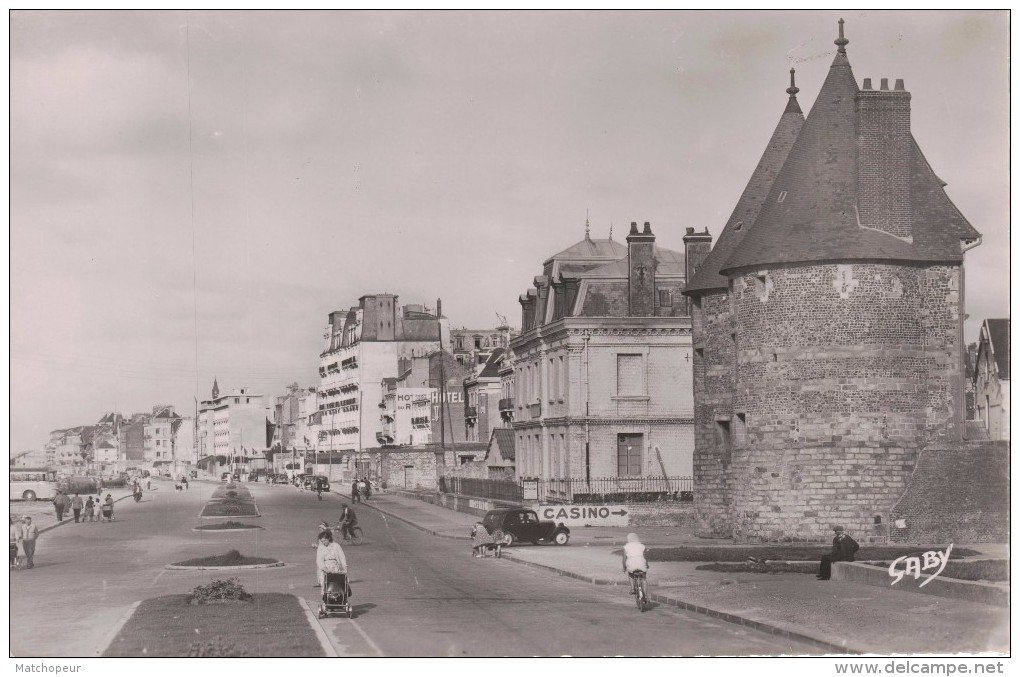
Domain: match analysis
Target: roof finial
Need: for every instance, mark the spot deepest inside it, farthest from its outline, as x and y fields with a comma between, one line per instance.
x=793, y=88
x=587, y=226
x=841, y=42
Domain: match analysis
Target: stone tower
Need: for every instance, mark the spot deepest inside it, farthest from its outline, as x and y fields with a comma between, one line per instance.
x=828, y=323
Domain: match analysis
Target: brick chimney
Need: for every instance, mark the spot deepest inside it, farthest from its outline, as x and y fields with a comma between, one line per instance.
x=884, y=152
x=641, y=256
x=696, y=248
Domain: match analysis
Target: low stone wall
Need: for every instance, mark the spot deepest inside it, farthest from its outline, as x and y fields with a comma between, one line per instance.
x=972, y=591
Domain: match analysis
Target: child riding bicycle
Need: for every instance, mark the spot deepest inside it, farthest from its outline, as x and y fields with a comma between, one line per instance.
x=634, y=560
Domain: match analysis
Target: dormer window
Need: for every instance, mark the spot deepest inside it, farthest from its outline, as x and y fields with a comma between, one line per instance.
x=738, y=225
x=782, y=196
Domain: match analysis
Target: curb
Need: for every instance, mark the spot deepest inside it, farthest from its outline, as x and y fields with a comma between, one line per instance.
x=175, y=567
x=317, y=628
x=220, y=531
x=108, y=640
x=431, y=532
x=663, y=599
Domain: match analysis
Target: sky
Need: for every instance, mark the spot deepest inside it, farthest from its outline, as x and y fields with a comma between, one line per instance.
x=193, y=192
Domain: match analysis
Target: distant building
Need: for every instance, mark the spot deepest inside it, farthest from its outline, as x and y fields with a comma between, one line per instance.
x=602, y=380
x=234, y=426
x=991, y=378
x=483, y=391
x=473, y=347
x=363, y=346
x=34, y=458
x=158, y=433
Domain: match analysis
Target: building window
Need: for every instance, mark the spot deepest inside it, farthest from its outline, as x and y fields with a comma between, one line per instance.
x=628, y=454
x=665, y=297
x=628, y=375
x=478, y=343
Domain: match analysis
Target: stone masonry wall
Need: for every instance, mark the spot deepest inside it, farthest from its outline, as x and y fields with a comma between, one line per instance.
x=713, y=395
x=958, y=493
x=844, y=372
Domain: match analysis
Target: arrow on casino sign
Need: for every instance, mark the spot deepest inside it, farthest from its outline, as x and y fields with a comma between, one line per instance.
x=621, y=513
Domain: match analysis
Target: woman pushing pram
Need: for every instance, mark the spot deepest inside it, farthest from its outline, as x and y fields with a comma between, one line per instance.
x=331, y=565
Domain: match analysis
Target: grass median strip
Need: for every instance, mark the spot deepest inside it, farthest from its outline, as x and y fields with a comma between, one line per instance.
x=791, y=553
x=269, y=624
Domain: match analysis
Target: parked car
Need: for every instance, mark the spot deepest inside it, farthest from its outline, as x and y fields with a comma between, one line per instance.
x=280, y=478
x=225, y=477
x=511, y=525
x=306, y=480
x=321, y=482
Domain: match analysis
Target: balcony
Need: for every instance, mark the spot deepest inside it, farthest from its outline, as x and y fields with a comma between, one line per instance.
x=506, y=404
x=535, y=409
x=470, y=412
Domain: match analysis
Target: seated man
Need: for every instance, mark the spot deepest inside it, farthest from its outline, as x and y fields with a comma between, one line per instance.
x=843, y=550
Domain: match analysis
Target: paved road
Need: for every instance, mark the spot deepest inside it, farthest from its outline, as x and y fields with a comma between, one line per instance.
x=415, y=594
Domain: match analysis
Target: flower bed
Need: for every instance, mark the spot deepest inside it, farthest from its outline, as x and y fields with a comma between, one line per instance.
x=270, y=624
x=226, y=526
x=230, y=509
x=232, y=558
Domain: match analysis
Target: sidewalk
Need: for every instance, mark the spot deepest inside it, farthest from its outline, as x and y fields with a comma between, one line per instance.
x=838, y=616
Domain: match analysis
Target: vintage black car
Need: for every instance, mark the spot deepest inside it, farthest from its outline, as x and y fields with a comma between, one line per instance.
x=321, y=482
x=512, y=525
x=280, y=478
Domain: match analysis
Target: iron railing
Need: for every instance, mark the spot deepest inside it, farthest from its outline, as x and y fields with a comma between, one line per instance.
x=649, y=489
x=497, y=490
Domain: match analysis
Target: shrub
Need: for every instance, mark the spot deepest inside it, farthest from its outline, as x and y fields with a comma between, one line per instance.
x=215, y=649
x=78, y=485
x=232, y=494
x=220, y=590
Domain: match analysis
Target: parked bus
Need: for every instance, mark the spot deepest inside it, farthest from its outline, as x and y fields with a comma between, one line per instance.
x=31, y=484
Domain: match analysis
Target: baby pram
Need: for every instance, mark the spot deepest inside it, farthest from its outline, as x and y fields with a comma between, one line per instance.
x=336, y=594
x=106, y=512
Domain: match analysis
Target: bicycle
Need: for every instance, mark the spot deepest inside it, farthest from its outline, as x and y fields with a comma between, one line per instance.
x=641, y=595
x=353, y=536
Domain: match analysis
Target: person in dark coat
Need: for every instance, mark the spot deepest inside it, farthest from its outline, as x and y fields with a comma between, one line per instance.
x=843, y=550
x=355, y=492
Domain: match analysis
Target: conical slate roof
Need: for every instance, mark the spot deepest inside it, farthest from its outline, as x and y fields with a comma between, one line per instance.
x=810, y=213
x=751, y=200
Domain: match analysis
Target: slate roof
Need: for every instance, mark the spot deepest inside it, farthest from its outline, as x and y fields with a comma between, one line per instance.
x=667, y=262
x=817, y=219
x=492, y=364
x=998, y=337
x=751, y=200
x=592, y=249
x=504, y=442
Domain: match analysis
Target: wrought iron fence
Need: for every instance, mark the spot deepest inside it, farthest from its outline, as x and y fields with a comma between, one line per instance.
x=497, y=490
x=577, y=490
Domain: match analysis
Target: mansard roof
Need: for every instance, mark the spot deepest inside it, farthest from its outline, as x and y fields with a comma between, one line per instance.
x=810, y=213
x=491, y=368
x=667, y=262
x=591, y=249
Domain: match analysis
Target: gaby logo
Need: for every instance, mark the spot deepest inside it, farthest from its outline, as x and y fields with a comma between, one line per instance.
x=915, y=565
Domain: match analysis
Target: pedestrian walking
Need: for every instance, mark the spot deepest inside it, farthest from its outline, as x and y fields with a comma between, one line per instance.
x=843, y=550
x=185, y=481
x=108, y=508
x=368, y=489
x=15, y=535
x=76, y=505
x=60, y=504
x=361, y=488
x=28, y=536
x=90, y=510
x=355, y=492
